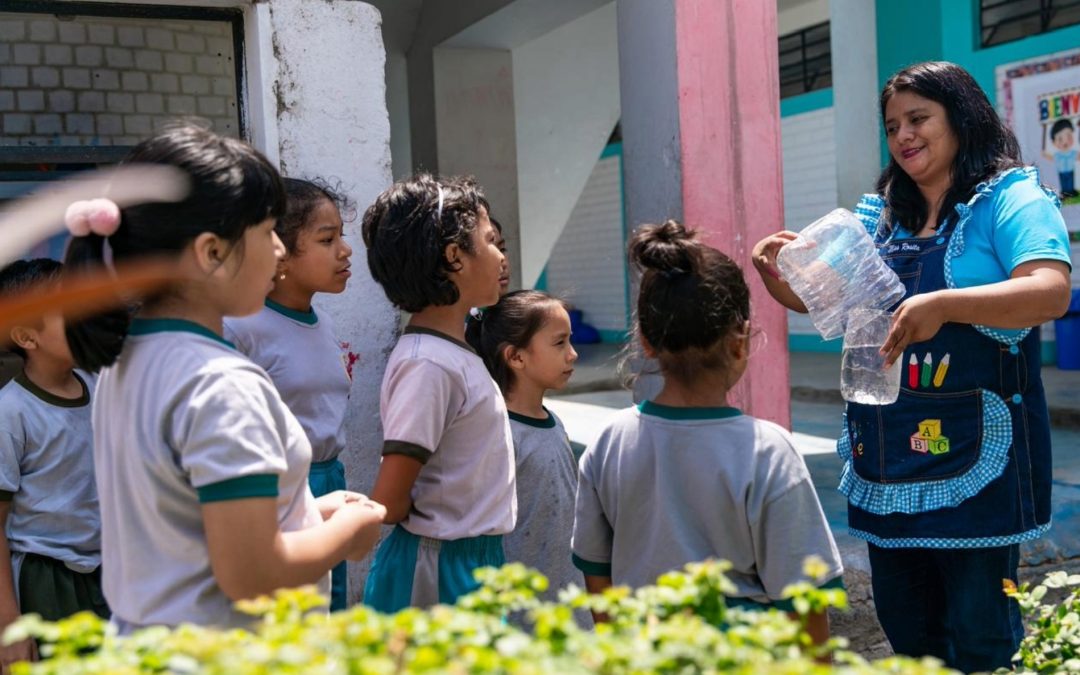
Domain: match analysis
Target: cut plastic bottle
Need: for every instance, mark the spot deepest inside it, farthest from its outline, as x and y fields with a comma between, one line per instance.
x=834, y=268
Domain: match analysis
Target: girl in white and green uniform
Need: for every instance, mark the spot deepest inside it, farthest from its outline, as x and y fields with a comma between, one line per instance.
x=296, y=345
x=201, y=468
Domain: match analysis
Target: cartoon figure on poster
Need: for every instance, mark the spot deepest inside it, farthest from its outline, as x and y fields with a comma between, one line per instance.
x=1040, y=99
x=1059, y=140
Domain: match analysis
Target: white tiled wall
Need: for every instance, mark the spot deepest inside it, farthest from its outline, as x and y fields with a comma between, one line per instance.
x=111, y=81
x=809, y=146
x=588, y=264
x=809, y=143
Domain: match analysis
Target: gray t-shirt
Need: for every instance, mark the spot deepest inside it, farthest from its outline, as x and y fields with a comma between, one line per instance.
x=546, y=482
x=183, y=419
x=301, y=354
x=439, y=405
x=47, y=470
x=664, y=486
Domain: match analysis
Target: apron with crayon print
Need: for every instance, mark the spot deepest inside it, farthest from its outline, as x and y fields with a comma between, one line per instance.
x=962, y=459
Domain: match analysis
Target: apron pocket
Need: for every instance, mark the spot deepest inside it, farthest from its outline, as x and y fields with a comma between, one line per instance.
x=934, y=451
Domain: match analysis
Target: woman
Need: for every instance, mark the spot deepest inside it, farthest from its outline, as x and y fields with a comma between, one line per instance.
x=945, y=483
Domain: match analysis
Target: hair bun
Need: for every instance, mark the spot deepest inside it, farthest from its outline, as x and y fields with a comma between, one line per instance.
x=665, y=248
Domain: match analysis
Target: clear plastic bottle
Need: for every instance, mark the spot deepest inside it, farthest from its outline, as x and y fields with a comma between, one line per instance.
x=863, y=377
x=834, y=268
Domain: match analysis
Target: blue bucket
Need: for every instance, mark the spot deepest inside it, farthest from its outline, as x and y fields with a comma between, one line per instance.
x=1067, y=335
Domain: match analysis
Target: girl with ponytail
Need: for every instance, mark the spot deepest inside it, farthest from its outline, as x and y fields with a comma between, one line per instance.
x=685, y=476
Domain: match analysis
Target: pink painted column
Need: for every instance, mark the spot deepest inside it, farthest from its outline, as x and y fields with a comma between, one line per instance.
x=729, y=116
x=704, y=147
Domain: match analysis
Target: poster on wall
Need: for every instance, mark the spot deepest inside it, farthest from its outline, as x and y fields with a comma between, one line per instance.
x=1040, y=100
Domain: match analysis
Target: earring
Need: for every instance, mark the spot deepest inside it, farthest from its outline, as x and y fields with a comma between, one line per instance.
x=281, y=276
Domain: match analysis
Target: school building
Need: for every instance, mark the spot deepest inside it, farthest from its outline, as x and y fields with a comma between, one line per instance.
x=531, y=96
x=581, y=118
x=527, y=96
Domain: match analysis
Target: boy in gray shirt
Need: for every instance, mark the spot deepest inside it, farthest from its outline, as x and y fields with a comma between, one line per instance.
x=50, y=560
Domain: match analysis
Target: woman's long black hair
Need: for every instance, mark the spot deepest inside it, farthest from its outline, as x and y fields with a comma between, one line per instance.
x=985, y=145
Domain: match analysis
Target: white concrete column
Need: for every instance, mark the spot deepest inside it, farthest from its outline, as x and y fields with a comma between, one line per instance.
x=853, y=33
x=319, y=87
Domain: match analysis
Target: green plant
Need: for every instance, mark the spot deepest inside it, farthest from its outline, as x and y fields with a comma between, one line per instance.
x=680, y=625
x=1053, y=641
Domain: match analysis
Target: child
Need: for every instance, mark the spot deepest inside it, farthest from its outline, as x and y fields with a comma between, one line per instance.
x=50, y=560
x=447, y=473
x=297, y=347
x=1064, y=157
x=684, y=477
x=201, y=468
x=525, y=343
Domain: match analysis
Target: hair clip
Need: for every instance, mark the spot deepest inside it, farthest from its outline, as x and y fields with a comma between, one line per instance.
x=438, y=211
x=99, y=216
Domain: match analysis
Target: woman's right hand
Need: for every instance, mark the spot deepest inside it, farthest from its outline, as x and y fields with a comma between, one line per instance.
x=764, y=257
x=766, y=250
x=365, y=518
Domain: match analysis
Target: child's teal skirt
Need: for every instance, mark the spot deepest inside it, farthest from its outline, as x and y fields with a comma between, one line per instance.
x=324, y=478
x=414, y=571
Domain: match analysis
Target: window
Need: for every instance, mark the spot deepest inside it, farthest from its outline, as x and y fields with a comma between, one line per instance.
x=1003, y=21
x=805, y=60
x=82, y=82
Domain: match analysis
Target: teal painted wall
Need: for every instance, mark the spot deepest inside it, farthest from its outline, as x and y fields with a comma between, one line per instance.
x=923, y=30
x=813, y=343
x=982, y=62
x=613, y=336
x=908, y=32
x=813, y=100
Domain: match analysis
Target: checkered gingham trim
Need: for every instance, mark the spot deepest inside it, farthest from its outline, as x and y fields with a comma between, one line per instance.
x=930, y=542
x=930, y=495
x=871, y=207
x=956, y=244
x=868, y=211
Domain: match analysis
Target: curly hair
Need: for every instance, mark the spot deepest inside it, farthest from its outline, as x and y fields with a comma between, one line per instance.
x=302, y=197
x=406, y=234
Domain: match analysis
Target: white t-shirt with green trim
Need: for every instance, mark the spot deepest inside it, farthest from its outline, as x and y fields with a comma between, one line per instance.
x=303, y=357
x=662, y=487
x=182, y=419
x=440, y=406
x=47, y=469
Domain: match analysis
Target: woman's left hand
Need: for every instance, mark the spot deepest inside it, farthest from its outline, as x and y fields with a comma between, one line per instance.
x=918, y=319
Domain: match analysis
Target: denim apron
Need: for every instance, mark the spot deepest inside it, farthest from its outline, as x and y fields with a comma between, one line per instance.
x=962, y=459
